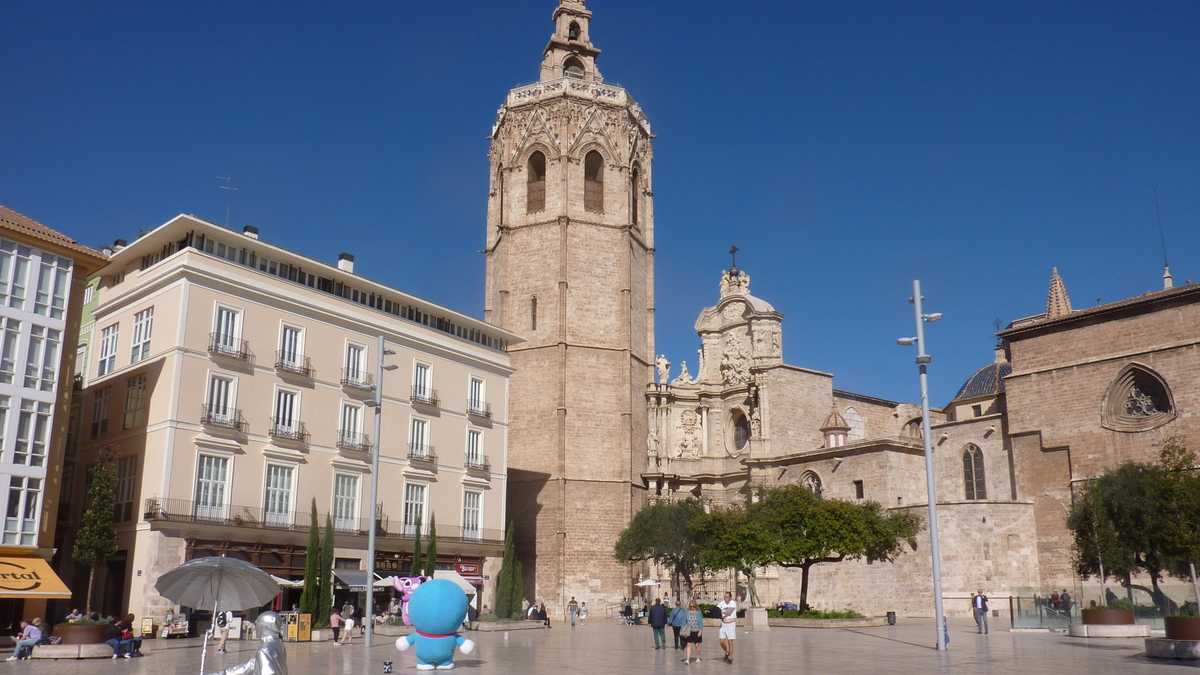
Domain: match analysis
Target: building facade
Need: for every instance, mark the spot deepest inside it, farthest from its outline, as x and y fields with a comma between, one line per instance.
x=233, y=383
x=570, y=268
x=42, y=275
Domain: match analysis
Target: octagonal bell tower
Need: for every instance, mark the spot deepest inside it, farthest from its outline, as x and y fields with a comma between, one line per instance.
x=570, y=267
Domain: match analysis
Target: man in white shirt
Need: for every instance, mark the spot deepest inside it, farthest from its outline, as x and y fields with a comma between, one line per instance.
x=728, y=625
x=979, y=603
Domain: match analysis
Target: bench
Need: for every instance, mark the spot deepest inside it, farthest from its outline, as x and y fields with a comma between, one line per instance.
x=92, y=651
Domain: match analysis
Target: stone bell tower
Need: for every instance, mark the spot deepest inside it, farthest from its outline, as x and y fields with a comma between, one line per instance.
x=570, y=267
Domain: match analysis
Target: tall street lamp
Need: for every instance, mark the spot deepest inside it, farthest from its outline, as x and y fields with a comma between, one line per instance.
x=923, y=361
x=376, y=449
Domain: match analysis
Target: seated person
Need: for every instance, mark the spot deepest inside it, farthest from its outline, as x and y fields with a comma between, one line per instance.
x=134, y=640
x=75, y=616
x=31, y=635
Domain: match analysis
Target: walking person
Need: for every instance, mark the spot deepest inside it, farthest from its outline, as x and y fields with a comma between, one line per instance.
x=657, y=619
x=347, y=623
x=979, y=606
x=335, y=625
x=677, y=620
x=573, y=610
x=728, y=625
x=694, y=630
x=583, y=613
x=223, y=620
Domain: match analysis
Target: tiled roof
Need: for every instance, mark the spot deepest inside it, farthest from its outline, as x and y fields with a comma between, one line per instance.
x=834, y=421
x=23, y=224
x=1041, y=323
x=987, y=381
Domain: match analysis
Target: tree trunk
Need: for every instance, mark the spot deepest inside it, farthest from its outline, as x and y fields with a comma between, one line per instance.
x=804, y=586
x=87, y=602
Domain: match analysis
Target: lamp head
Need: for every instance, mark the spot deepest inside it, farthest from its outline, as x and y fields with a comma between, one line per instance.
x=906, y=341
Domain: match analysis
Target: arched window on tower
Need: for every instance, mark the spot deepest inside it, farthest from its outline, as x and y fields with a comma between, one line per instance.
x=535, y=187
x=573, y=32
x=593, y=182
x=533, y=313
x=973, y=476
x=573, y=68
x=635, y=194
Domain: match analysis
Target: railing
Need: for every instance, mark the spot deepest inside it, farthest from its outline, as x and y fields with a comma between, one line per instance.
x=421, y=453
x=256, y=517
x=224, y=417
x=291, y=362
x=479, y=409
x=359, y=379
x=423, y=394
x=288, y=430
x=477, y=463
x=224, y=344
x=352, y=441
x=598, y=91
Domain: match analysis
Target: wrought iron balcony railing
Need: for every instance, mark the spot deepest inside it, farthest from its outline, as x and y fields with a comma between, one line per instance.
x=227, y=345
x=353, y=441
x=421, y=453
x=479, y=462
x=288, y=430
x=291, y=362
x=480, y=409
x=423, y=394
x=357, y=379
x=222, y=416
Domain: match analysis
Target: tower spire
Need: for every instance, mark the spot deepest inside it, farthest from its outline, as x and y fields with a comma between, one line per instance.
x=1058, y=303
x=570, y=52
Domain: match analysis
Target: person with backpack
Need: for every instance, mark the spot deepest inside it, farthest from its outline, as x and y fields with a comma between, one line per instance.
x=223, y=620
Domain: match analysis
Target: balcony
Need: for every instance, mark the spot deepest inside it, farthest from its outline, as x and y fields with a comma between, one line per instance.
x=419, y=452
x=222, y=417
x=479, y=409
x=424, y=395
x=357, y=379
x=293, y=363
x=288, y=430
x=185, y=511
x=353, y=442
x=478, y=465
x=229, y=346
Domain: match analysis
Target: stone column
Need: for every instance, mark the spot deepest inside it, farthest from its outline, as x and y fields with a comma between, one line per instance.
x=704, y=429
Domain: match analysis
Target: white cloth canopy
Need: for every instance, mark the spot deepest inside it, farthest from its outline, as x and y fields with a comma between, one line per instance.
x=288, y=583
x=456, y=578
x=647, y=582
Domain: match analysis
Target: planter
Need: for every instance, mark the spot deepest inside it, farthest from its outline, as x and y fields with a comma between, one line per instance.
x=1183, y=627
x=1108, y=617
x=80, y=633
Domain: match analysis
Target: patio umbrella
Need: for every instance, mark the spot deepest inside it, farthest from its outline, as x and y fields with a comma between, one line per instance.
x=225, y=583
x=646, y=582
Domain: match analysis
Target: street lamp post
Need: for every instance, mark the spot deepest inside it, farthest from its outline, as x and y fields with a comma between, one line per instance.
x=376, y=449
x=923, y=361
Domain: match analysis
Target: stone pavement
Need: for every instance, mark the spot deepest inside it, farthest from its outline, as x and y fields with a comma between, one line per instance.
x=608, y=648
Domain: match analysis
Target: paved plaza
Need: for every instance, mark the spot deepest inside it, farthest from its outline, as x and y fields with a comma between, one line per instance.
x=610, y=648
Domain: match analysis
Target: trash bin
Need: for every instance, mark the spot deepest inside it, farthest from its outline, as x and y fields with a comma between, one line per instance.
x=891, y=617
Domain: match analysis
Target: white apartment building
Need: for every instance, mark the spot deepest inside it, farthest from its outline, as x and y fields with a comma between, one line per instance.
x=41, y=273
x=233, y=383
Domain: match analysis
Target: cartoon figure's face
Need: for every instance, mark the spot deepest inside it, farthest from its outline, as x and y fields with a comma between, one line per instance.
x=407, y=585
x=438, y=607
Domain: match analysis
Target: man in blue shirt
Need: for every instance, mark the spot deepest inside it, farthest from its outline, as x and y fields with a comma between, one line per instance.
x=677, y=620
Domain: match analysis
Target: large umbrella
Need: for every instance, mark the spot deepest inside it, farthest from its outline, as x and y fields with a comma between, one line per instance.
x=225, y=583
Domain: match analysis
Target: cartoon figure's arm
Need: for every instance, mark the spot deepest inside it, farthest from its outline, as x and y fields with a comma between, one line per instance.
x=464, y=645
x=402, y=643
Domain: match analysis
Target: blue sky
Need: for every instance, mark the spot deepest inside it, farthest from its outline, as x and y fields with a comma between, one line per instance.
x=845, y=147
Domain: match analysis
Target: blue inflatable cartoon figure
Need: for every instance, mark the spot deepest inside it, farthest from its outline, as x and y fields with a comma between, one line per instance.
x=437, y=609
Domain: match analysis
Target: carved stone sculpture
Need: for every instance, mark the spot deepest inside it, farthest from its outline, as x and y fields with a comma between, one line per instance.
x=735, y=362
x=664, y=368
x=689, y=436
x=684, y=376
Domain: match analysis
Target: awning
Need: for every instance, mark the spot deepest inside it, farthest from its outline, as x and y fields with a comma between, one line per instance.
x=456, y=579
x=28, y=577
x=287, y=583
x=356, y=580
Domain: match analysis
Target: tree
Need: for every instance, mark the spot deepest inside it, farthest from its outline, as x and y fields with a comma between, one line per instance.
x=799, y=529
x=417, y=567
x=509, y=584
x=312, y=564
x=731, y=539
x=96, y=540
x=325, y=576
x=666, y=533
x=431, y=552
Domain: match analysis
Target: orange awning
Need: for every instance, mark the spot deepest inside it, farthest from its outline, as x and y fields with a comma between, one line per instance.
x=28, y=577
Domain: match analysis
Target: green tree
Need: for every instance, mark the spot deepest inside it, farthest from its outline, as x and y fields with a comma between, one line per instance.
x=731, y=539
x=96, y=540
x=325, y=576
x=431, y=552
x=417, y=567
x=509, y=584
x=666, y=533
x=312, y=563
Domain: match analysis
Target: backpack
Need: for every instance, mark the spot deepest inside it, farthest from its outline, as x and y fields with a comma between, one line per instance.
x=222, y=621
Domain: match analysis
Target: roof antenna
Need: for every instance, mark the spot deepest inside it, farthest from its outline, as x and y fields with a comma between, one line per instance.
x=226, y=184
x=1168, y=280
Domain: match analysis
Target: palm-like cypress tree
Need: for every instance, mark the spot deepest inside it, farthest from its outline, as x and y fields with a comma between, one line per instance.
x=325, y=576
x=431, y=552
x=312, y=563
x=416, y=561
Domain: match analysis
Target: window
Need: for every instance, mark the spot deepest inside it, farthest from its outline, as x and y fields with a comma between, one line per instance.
x=977, y=410
x=212, y=475
x=89, y=294
x=533, y=313
x=291, y=347
x=741, y=431
x=8, y=351
x=1137, y=400
x=33, y=427
x=100, y=412
x=81, y=360
x=41, y=362
x=135, y=402
x=345, y=501
x=219, y=406
x=973, y=476
x=475, y=395
x=143, y=326
x=573, y=68
x=356, y=363
x=126, y=475
x=635, y=194
x=287, y=410
x=414, y=507
x=278, y=497
x=474, y=447
x=593, y=182
x=858, y=489
x=4, y=406
x=108, y=350
x=350, y=426
x=21, y=515
x=51, y=296
x=811, y=482
x=858, y=426
x=14, y=271
x=418, y=437
x=227, y=332
x=422, y=381
x=535, y=183
x=472, y=510
x=573, y=32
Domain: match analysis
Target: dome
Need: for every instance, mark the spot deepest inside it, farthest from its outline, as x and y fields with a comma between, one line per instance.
x=761, y=306
x=987, y=381
x=835, y=422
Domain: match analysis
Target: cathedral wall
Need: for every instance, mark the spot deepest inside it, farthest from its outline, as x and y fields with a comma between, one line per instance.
x=597, y=262
x=796, y=402
x=531, y=268
x=879, y=420
x=597, y=429
x=950, y=443
x=598, y=512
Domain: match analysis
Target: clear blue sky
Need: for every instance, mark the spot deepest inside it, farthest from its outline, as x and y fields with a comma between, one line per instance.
x=845, y=147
